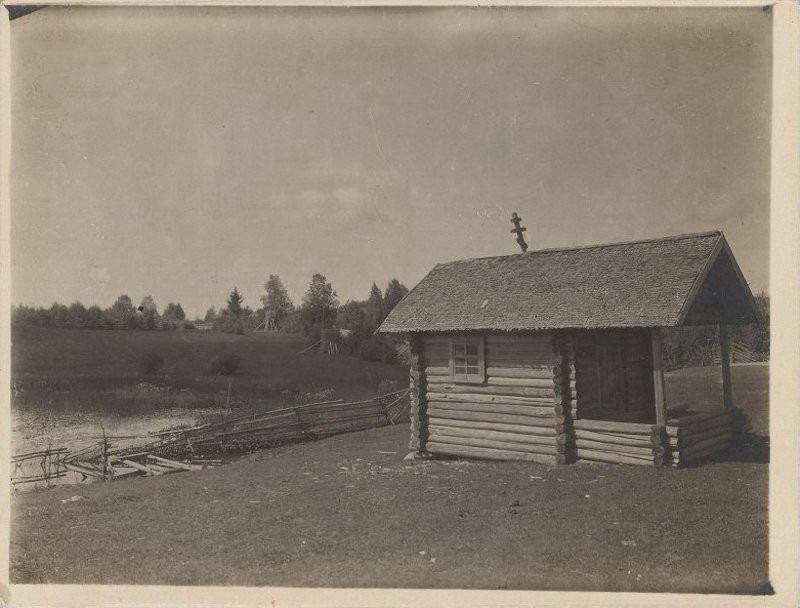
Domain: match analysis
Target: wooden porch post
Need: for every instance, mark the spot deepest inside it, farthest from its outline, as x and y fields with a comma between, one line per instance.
x=418, y=396
x=658, y=378
x=725, y=356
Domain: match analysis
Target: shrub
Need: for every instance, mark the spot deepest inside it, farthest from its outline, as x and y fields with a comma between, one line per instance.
x=189, y=325
x=377, y=348
x=224, y=365
x=150, y=363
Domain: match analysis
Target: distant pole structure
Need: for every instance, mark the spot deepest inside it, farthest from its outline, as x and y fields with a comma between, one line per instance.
x=518, y=230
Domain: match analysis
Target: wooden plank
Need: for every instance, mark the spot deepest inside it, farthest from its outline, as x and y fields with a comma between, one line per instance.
x=725, y=359
x=477, y=442
x=686, y=422
x=702, y=427
x=622, y=428
x=659, y=388
x=488, y=453
x=608, y=457
x=709, y=451
x=162, y=468
x=616, y=448
x=683, y=442
x=723, y=438
x=544, y=340
x=477, y=389
x=481, y=398
x=455, y=431
x=524, y=410
x=84, y=470
x=546, y=383
x=174, y=463
x=494, y=426
x=141, y=467
x=632, y=440
x=440, y=370
x=489, y=417
x=544, y=372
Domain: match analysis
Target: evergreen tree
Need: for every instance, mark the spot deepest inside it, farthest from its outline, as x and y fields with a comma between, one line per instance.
x=235, y=302
x=374, y=307
x=395, y=291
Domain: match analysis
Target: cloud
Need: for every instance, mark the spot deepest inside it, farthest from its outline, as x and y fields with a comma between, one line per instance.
x=343, y=193
x=99, y=274
x=339, y=207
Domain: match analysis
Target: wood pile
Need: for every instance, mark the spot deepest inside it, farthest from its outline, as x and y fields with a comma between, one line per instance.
x=616, y=442
x=693, y=437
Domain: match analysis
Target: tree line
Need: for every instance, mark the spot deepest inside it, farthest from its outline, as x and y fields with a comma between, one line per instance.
x=320, y=309
x=353, y=323
x=122, y=314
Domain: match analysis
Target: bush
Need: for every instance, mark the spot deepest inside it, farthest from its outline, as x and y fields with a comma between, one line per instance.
x=150, y=363
x=189, y=325
x=224, y=365
x=377, y=348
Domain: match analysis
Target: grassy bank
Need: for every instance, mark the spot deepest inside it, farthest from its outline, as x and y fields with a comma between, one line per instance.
x=86, y=370
x=348, y=511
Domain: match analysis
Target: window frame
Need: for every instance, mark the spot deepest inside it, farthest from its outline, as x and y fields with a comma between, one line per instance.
x=466, y=341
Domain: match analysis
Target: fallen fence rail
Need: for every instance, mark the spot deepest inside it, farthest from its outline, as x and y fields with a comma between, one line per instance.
x=177, y=450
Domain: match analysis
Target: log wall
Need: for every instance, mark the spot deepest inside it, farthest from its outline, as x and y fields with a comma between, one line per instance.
x=694, y=437
x=617, y=442
x=508, y=417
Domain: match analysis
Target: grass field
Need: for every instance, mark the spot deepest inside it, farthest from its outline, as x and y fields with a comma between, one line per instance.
x=348, y=511
x=98, y=371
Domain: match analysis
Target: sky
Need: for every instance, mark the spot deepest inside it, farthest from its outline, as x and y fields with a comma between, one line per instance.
x=180, y=152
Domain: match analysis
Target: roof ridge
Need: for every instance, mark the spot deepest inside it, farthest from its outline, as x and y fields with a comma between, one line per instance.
x=676, y=237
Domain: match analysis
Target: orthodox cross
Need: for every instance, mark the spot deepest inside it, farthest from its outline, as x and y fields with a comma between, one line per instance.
x=518, y=230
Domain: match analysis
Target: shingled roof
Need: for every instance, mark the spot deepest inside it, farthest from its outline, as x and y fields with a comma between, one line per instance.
x=679, y=280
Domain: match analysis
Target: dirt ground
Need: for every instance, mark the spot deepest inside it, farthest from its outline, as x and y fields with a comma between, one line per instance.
x=349, y=512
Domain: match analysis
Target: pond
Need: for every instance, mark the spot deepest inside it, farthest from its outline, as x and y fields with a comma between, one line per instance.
x=33, y=430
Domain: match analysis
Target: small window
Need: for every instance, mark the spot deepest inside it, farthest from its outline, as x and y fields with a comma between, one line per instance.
x=466, y=360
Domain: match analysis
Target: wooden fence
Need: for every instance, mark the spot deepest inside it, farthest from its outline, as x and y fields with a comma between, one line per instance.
x=107, y=459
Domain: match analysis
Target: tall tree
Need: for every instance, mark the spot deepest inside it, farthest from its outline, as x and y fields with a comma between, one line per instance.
x=211, y=315
x=77, y=315
x=395, y=291
x=122, y=312
x=374, y=307
x=148, y=303
x=319, y=306
x=234, y=302
x=174, y=311
x=277, y=303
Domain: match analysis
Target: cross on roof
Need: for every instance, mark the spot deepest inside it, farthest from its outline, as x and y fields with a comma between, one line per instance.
x=518, y=230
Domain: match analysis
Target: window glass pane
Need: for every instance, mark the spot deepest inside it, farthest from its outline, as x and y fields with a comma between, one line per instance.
x=461, y=370
x=472, y=371
x=460, y=349
x=472, y=349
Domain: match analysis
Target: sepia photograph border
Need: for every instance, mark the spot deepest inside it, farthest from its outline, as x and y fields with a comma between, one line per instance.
x=784, y=389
